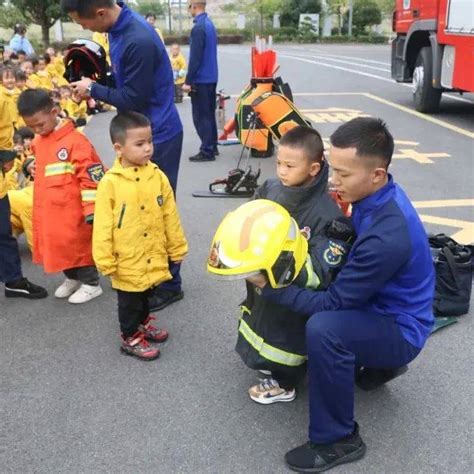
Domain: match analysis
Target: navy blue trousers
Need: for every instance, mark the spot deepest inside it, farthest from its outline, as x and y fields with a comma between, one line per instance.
x=175, y=283
x=203, y=102
x=10, y=264
x=167, y=156
x=337, y=342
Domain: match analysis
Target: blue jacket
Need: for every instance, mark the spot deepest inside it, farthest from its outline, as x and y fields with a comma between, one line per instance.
x=143, y=76
x=20, y=43
x=388, y=271
x=202, y=67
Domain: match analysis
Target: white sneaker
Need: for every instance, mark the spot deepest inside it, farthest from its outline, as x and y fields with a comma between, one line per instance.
x=67, y=288
x=268, y=391
x=85, y=293
x=265, y=372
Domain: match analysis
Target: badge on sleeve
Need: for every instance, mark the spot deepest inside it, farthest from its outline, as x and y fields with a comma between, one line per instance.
x=160, y=200
x=96, y=172
x=334, y=253
x=62, y=154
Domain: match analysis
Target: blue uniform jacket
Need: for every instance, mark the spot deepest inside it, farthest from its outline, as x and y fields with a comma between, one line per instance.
x=202, y=67
x=388, y=271
x=143, y=76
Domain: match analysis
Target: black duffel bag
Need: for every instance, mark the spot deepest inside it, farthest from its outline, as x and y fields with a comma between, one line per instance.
x=453, y=265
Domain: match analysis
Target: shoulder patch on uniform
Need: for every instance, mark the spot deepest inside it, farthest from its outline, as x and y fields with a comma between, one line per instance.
x=62, y=154
x=159, y=200
x=333, y=254
x=96, y=172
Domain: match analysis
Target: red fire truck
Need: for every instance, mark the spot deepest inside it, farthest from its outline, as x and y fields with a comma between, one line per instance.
x=434, y=48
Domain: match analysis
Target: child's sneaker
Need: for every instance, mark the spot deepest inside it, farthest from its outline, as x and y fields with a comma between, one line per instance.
x=67, y=288
x=85, y=293
x=268, y=391
x=152, y=333
x=136, y=346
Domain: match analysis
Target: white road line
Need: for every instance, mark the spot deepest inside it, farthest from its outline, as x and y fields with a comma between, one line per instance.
x=342, y=61
x=362, y=73
x=356, y=58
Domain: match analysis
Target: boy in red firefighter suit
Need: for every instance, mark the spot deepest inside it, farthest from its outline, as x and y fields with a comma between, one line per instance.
x=68, y=170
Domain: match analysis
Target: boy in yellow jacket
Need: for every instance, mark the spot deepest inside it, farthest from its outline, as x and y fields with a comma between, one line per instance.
x=179, y=66
x=137, y=231
x=76, y=111
x=10, y=94
x=40, y=77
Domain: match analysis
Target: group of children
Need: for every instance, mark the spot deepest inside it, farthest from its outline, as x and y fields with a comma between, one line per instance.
x=78, y=228
x=128, y=227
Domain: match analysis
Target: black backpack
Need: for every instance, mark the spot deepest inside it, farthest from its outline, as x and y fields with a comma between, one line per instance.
x=453, y=265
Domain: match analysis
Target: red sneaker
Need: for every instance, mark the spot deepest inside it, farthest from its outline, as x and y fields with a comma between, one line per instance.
x=152, y=333
x=137, y=346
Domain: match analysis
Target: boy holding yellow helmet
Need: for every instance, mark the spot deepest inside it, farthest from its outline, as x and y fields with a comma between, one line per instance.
x=271, y=338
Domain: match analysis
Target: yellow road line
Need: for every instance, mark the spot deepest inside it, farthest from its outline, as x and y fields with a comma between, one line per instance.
x=444, y=203
x=428, y=118
x=464, y=236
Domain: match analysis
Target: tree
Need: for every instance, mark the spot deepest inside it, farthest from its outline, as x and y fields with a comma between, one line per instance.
x=386, y=6
x=144, y=7
x=42, y=12
x=338, y=8
x=291, y=10
x=10, y=16
x=365, y=13
x=260, y=11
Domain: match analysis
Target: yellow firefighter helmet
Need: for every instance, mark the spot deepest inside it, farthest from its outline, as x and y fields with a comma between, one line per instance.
x=258, y=236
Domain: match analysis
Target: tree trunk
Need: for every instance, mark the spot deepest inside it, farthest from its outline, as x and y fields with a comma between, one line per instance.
x=45, y=35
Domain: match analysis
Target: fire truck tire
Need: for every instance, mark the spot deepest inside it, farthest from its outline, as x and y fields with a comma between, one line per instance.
x=425, y=96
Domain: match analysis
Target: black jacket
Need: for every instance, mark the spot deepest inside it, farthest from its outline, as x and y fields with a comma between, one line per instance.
x=268, y=331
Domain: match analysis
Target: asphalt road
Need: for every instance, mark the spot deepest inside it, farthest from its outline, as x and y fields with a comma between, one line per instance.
x=69, y=402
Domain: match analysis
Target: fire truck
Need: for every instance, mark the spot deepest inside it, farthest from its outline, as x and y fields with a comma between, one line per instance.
x=433, y=48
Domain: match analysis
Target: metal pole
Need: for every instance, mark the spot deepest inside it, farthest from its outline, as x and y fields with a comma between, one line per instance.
x=349, y=27
x=180, y=19
x=170, y=28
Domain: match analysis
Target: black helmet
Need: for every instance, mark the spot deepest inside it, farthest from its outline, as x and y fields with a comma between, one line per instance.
x=85, y=58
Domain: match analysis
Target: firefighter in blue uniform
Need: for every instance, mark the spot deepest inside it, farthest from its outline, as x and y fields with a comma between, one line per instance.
x=377, y=315
x=201, y=80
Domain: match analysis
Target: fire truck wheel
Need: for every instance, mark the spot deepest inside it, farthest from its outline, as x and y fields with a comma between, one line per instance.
x=425, y=96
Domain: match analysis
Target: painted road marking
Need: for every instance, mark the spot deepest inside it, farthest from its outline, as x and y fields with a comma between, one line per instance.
x=422, y=158
x=361, y=73
x=333, y=115
x=342, y=61
x=465, y=234
x=428, y=118
x=354, y=58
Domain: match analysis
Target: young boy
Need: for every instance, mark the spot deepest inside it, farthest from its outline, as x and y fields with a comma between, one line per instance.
x=40, y=77
x=20, y=79
x=301, y=188
x=178, y=64
x=76, y=111
x=68, y=170
x=137, y=231
x=10, y=93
